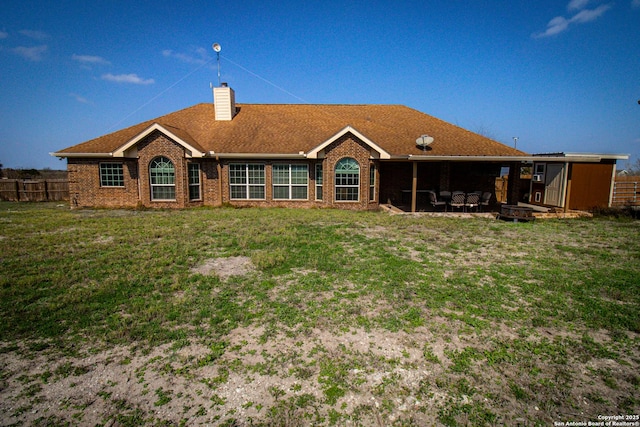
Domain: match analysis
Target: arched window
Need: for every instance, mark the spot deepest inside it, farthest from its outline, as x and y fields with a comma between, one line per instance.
x=347, y=175
x=163, y=179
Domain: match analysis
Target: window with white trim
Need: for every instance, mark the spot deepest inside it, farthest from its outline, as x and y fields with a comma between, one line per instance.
x=318, y=181
x=290, y=182
x=162, y=175
x=194, y=181
x=372, y=182
x=347, y=180
x=111, y=175
x=246, y=181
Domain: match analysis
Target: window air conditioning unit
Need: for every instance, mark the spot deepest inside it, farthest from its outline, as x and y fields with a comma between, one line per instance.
x=537, y=177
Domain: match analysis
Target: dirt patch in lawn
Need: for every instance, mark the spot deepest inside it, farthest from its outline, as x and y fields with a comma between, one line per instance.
x=225, y=267
x=255, y=379
x=319, y=377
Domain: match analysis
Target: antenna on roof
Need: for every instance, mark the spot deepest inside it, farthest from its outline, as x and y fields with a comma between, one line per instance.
x=515, y=141
x=217, y=48
x=424, y=141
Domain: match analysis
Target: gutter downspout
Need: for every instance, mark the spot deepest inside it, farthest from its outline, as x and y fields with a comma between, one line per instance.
x=219, y=166
x=138, y=181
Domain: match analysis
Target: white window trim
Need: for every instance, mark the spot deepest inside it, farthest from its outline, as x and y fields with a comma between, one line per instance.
x=289, y=186
x=247, y=185
x=376, y=150
x=357, y=186
x=102, y=185
x=152, y=185
x=320, y=186
x=199, y=184
x=372, y=183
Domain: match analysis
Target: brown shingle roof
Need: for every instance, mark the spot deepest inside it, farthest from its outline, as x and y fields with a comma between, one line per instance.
x=291, y=128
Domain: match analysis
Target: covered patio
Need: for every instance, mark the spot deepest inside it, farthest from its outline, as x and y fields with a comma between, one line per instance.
x=411, y=185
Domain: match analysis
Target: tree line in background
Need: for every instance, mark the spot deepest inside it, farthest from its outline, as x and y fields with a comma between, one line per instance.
x=631, y=169
x=46, y=173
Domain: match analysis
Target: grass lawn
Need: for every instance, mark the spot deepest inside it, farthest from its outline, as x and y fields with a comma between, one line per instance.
x=293, y=317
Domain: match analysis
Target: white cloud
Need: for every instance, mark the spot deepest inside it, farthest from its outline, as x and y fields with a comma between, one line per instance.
x=81, y=99
x=90, y=59
x=34, y=53
x=560, y=24
x=577, y=4
x=33, y=34
x=555, y=26
x=3, y=35
x=127, y=78
x=588, y=15
x=200, y=56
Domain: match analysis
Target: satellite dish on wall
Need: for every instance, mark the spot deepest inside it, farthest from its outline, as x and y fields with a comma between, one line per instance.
x=424, y=141
x=216, y=47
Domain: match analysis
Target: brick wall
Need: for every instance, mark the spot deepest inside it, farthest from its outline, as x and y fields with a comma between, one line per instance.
x=348, y=146
x=85, y=189
x=210, y=182
x=151, y=147
x=268, y=201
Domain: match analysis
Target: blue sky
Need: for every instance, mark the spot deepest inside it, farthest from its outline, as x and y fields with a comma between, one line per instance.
x=559, y=75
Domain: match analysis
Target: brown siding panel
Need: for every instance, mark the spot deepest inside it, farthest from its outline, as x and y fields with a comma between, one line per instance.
x=590, y=185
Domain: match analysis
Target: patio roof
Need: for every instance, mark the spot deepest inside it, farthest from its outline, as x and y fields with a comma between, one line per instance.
x=559, y=157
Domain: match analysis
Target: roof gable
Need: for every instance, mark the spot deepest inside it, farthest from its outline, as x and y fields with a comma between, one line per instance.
x=382, y=154
x=182, y=138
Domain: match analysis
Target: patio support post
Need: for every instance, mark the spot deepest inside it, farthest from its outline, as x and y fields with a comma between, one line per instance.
x=445, y=176
x=513, y=183
x=414, y=186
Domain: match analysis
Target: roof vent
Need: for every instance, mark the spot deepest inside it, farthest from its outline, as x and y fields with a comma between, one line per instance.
x=224, y=99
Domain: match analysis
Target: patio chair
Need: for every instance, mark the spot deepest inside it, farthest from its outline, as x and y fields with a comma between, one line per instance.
x=472, y=201
x=445, y=195
x=486, y=198
x=457, y=200
x=433, y=200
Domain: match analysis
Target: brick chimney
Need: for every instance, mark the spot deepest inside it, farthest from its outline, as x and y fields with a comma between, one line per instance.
x=224, y=99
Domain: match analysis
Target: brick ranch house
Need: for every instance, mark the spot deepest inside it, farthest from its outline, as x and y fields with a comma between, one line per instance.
x=346, y=156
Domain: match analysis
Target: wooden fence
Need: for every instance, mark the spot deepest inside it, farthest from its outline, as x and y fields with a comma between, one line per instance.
x=626, y=191
x=501, y=186
x=41, y=190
